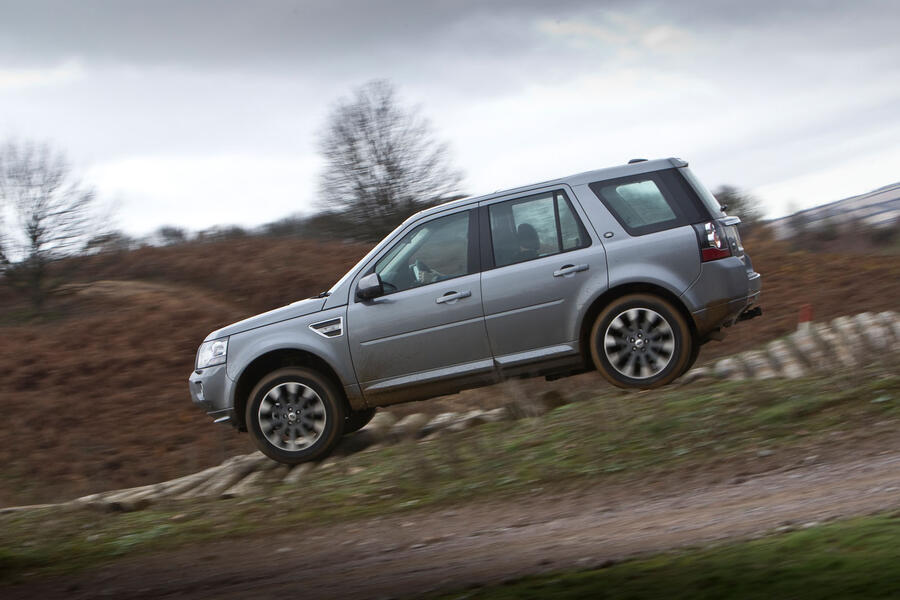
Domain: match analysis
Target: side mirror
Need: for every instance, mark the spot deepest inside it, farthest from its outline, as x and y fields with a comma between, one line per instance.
x=369, y=287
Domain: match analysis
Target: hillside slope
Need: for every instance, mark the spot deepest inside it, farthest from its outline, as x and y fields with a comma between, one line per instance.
x=96, y=397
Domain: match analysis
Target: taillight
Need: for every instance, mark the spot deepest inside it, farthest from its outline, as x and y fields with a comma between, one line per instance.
x=713, y=245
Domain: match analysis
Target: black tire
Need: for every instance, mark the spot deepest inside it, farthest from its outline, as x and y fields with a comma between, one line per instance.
x=292, y=411
x=357, y=419
x=692, y=359
x=625, y=357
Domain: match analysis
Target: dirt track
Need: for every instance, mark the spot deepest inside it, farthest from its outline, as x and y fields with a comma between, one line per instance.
x=413, y=553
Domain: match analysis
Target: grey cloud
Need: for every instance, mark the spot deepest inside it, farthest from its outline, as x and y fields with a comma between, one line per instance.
x=485, y=46
x=278, y=32
x=204, y=33
x=204, y=77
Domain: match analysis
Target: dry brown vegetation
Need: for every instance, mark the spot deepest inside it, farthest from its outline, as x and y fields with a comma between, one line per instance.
x=95, y=395
x=253, y=273
x=832, y=283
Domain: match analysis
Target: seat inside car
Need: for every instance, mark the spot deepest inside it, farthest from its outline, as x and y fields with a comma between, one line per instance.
x=529, y=242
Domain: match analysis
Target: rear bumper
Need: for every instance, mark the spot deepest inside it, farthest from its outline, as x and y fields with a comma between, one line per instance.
x=746, y=308
x=725, y=290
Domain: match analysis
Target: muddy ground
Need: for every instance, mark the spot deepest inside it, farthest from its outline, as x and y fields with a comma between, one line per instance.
x=488, y=542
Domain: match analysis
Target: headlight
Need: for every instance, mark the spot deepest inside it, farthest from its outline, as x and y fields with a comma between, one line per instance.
x=212, y=353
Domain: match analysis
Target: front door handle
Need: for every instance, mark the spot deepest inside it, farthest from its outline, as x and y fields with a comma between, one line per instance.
x=453, y=297
x=567, y=270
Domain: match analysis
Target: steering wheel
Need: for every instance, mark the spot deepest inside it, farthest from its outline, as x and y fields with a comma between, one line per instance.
x=421, y=266
x=385, y=284
x=418, y=270
x=424, y=274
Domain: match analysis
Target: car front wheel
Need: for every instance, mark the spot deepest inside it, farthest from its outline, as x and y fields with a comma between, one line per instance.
x=640, y=341
x=295, y=415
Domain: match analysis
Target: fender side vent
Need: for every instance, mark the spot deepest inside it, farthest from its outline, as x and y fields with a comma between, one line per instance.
x=331, y=328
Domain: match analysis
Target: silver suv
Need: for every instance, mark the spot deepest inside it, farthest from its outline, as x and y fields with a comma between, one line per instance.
x=626, y=270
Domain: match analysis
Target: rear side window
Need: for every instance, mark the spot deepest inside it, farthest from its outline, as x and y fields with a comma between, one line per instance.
x=640, y=204
x=533, y=227
x=571, y=231
x=649, y=202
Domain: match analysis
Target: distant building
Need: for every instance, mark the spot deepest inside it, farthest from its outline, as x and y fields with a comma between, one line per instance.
x=878, y=208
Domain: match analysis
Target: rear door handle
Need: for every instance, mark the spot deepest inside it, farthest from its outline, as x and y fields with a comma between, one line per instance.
x=453, y=297
x=567, y=270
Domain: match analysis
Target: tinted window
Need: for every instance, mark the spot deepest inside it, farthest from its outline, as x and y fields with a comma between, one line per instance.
x=639, y=204
x=572, y=233
x=650, y=202
x=434, y=251
x=532, y=227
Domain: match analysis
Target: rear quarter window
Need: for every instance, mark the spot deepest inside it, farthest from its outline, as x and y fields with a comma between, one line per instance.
x=650, y=202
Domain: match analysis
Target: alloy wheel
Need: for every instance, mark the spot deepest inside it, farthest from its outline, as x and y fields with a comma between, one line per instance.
x=639, y=343
x=292, y=416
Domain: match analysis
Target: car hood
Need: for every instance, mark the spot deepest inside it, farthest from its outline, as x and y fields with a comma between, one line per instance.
x=291, y=311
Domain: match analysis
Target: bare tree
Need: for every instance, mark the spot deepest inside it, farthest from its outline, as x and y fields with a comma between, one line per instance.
x=171, y=235
x=740, y=204
x=4, y=259
x=110, y=242
x=51, y=214
x=382, y=162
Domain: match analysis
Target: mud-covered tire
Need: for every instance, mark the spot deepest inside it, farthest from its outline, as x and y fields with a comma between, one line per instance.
x=357, y=419
x=295, y=415
x=640, y=341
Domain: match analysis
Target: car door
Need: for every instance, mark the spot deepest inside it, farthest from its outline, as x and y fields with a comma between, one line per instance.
x=544, y=266
x=425, y=335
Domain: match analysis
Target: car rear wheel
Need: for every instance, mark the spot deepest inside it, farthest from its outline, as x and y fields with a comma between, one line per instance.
x=295, y=415
x=640, y=341
x=692, y=360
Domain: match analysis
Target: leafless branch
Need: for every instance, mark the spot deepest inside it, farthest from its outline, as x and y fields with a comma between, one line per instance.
x=382, y=161
x=51, y=212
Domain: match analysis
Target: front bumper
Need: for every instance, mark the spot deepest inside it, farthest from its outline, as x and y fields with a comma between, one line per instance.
x=210, y=389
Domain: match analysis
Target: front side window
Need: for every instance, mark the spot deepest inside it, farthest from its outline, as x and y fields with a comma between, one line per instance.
x=533, y=227
x=434, y=251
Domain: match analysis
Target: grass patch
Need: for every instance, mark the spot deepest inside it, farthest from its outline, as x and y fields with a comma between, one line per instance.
x=607, y=436
x=858, y=558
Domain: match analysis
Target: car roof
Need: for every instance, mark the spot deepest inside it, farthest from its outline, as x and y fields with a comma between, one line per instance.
x=632, y=168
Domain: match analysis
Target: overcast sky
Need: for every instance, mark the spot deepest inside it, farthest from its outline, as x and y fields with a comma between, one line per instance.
x=198, y=113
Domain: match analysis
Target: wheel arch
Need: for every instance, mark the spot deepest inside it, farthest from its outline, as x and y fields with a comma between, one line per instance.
x=617, y=292
x=277, y=359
